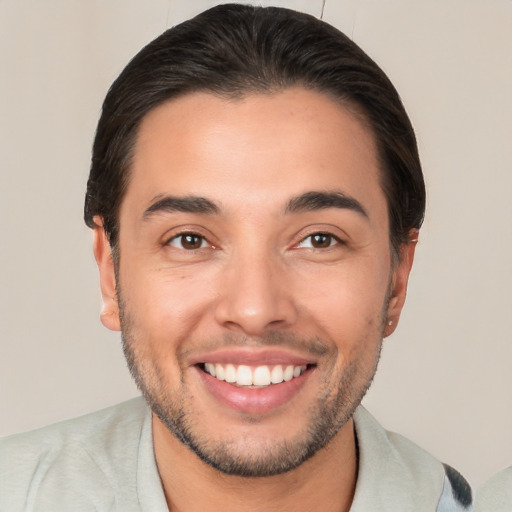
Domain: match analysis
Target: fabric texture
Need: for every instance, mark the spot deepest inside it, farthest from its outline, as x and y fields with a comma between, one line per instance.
x=396, y=475
x=104, y=461
x=496, y=494
x=100, y=462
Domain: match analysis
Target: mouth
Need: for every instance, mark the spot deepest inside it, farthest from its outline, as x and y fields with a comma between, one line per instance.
x=254, y=377
x=254, y=388
x=255, y=381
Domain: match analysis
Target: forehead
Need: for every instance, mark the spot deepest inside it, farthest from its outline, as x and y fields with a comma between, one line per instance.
x=254, y=150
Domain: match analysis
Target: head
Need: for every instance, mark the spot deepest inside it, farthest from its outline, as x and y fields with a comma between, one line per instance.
x=235, y=50
x=255, y=188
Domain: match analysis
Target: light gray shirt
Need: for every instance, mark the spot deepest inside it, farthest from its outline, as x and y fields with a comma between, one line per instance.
x=104, y=461
x=496, y=494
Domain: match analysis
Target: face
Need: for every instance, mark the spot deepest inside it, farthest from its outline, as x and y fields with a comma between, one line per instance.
x=255, y=277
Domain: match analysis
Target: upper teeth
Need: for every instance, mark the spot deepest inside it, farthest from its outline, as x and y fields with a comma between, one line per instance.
x=243, y=375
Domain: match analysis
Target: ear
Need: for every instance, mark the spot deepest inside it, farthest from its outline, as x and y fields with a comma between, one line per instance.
x=102, y=252
x=399, y=282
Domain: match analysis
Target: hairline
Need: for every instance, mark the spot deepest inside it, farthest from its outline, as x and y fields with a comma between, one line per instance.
x=351, y=106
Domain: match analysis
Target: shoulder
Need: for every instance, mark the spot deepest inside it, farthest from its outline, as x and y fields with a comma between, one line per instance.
x=91, y=430
x=49, y=461
x=395, y=472
x=496, y=494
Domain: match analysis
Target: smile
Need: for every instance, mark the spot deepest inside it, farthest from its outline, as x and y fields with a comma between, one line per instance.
x=254, y=377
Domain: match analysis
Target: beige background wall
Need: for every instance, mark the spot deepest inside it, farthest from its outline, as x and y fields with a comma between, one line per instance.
x=445, y=378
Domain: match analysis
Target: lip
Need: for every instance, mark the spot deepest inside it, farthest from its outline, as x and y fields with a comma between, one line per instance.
x=251, y=357
x=253, y=400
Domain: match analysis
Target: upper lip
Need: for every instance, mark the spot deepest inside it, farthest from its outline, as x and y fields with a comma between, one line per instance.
x=252, y=357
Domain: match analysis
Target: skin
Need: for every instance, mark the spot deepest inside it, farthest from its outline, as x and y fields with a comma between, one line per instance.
x=258, y=284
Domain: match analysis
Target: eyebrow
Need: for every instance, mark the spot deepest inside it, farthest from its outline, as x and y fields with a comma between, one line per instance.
x=312, y=201
x=187, y=204
x=309, y=201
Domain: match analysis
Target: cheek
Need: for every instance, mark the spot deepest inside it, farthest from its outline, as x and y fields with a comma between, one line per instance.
x=163, y=304
x=346, y=301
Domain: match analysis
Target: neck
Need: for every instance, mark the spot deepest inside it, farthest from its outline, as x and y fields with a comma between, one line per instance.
x=324, y=482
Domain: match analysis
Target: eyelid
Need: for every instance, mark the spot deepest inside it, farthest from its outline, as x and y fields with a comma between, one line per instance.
x=179, y=231
x=325, y=229
x=336, y=239
x=180, y=235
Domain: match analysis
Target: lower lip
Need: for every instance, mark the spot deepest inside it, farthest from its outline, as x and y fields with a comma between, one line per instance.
x=253, y=400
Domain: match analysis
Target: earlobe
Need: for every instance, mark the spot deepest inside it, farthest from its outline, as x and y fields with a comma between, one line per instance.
x=399, y=283
x=109, y=315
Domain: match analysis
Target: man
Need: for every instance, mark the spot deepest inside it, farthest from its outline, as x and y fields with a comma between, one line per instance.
x=256, y=195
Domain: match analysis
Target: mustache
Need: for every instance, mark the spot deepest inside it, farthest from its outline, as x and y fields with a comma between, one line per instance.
x=314, y=346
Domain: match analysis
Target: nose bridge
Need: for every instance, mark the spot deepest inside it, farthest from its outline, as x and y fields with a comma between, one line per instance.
x=254, y=295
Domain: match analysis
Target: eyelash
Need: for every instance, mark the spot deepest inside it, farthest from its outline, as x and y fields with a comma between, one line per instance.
x=333, y=240
x=182, y=236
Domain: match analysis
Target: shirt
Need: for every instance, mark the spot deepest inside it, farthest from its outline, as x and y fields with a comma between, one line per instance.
x=104, y=461
x=496, y=494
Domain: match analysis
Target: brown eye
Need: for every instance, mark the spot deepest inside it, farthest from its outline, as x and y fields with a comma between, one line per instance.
x=319, y=241
x=188, y=241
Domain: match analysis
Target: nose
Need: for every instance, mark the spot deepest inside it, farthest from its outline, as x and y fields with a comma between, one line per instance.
x=255, y=296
